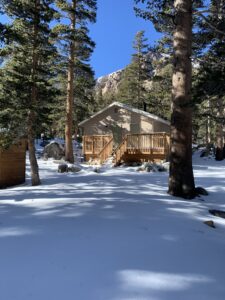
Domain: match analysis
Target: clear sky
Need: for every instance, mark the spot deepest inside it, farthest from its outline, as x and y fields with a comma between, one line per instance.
x=114, y=33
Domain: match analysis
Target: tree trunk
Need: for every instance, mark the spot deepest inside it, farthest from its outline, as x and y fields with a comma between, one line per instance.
x=208, y=135
x=35, y=179
x=70, y=93
x=219, y=131
x=181, y=178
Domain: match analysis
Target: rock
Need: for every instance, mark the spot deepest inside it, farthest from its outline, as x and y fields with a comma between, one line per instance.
x=149, y=169
x=204, y=153
x=161, y=168
x=63, y=168
x=166, y=165
x=141, y=169
x=74, y=169
x=54, y=150
x=96, y=170
x=210, y=223
x=109, y=82
x=93, y=162
x=201, y=191
x=217, y=213
x=45, y=157
x=128, y=164
x=59, y=162
x=44, y=143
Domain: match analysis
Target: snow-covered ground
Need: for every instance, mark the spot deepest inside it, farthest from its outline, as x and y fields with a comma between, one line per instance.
x=113, y=235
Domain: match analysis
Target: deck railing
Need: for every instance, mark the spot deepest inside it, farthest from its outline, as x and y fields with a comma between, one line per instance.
x=148, y=142
x=93, y=144
x=144, y=143
x=152, y=144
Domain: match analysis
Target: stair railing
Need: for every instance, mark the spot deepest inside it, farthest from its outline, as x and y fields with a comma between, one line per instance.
x=106, y=151
x=121, y=150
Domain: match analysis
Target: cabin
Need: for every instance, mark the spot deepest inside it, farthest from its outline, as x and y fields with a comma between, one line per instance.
x=13, y=165
x=128, y=133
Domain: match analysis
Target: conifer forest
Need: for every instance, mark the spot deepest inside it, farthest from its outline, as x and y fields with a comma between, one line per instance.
x=112, y=180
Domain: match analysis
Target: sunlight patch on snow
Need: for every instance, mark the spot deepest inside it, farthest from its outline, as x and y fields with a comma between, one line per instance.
x=169, y=237
x=137, y=279
x=15, y=231
x=44, y=204
x=108, y=206
x=72, y=214
x=192, y=211
x=216, y=188
x=46, y=213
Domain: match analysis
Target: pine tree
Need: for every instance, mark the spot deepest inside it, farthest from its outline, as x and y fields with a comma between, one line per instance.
x=209, y=80
x=25, y=87
x=84, y=100
x=159, y=94
x=176, y=16
x=76, y=48
x=181, y=180
x=84, y=95
x=132, y=89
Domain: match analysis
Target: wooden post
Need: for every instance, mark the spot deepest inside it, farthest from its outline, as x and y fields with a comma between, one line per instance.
x=84, y=145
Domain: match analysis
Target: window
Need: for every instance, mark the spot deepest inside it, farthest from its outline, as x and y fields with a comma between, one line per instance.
x=116, y=109
x=134, y=128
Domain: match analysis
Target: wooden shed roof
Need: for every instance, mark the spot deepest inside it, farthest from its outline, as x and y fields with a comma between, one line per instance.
x=129, y=108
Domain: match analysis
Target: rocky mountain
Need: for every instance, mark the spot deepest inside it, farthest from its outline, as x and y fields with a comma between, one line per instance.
x=109, y=82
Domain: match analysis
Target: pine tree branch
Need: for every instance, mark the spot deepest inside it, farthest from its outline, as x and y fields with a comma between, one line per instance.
x=198, y=12
x=210, y=24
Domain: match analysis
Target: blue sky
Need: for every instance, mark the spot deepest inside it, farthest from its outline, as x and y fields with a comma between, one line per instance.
x=114, y=33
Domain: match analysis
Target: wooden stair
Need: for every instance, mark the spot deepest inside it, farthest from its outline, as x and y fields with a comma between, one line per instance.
x=106, y=152
x=120, y=151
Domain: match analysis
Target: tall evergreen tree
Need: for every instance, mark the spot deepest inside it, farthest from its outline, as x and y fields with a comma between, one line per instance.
x=181, y=180
x=30, y=53
x=132, y=87
x=84, y=84
x=176, y=16
x=159, y=94
x=76, y=48
x=209, y=80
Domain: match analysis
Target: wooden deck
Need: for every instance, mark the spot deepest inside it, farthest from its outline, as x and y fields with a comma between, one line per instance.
x=94, y=146
x=143, y=148
x=134, y=148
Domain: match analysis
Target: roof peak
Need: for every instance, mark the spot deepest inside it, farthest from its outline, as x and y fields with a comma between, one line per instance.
x=130, y=108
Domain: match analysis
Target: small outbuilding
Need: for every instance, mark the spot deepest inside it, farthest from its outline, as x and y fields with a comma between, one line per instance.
x=125, y=130
x=13, y=164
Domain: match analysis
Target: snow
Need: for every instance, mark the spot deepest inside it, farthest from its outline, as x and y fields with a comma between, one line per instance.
x=113, y=235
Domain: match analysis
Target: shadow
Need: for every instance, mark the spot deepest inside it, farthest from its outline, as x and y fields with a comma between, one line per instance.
x=113, y=235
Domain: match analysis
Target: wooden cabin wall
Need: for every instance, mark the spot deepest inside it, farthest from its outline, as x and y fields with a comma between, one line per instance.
x=13, y=165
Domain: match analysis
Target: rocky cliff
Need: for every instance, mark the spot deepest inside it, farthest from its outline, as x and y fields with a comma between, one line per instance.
x=109, y=82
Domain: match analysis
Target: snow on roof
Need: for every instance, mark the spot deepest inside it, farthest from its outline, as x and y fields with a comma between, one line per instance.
x=129, y=108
